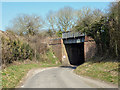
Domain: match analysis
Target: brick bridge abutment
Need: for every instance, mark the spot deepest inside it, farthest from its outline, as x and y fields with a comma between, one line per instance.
x=73, y=53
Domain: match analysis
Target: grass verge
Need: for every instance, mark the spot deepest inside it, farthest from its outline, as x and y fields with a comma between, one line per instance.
x=105, y=71
x=51, y=57
x=14, y=73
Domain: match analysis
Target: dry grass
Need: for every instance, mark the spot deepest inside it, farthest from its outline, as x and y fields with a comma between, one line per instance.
x=106, y=71
x=12, y=75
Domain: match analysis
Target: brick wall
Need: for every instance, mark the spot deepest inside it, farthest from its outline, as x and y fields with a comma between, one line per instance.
x=60, y=52
x=56, y=47
x=89, y=48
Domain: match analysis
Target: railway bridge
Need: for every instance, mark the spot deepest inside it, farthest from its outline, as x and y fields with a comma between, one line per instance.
x=73, y=48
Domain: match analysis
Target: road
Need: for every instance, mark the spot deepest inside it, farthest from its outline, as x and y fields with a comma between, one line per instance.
x=62, y=77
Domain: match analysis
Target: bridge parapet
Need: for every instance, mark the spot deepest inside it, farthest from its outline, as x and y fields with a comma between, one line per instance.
x=70, y=34
x=73, y=37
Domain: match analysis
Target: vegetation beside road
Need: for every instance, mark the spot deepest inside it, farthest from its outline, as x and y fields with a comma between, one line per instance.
x=19, y=56
x=105, y=70
x=22, y=53
x=12, y=75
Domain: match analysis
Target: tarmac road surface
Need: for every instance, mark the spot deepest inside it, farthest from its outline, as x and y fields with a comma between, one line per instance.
x=62, y=77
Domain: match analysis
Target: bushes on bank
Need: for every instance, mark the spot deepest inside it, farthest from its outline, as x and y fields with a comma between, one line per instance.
x=13, y=50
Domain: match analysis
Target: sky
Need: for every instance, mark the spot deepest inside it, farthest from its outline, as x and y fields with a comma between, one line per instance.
x=11, y=10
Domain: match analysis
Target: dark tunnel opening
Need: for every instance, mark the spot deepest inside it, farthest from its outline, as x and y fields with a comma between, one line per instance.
x=75, y=53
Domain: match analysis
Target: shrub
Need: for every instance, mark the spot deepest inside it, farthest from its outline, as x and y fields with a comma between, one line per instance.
x=13, y=50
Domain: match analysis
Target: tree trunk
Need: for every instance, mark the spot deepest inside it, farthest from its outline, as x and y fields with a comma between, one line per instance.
x=35, y=53
x=116, y=48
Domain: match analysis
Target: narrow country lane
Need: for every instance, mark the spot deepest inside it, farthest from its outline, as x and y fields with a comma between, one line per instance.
x=62, y=77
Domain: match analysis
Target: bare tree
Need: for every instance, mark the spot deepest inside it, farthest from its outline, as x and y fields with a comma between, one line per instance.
x=51, y=18
x=27, y=24
x=82, y=13
x=86, y=17
x=65, y=18
x=114, y=23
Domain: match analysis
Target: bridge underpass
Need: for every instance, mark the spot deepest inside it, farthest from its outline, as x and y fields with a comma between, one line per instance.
x=75, y=53
x=73, y=48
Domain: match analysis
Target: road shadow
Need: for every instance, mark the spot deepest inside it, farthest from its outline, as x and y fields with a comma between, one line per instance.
x=71, y=67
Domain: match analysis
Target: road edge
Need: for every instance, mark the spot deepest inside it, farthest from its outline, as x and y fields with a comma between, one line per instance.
x=30, y=74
